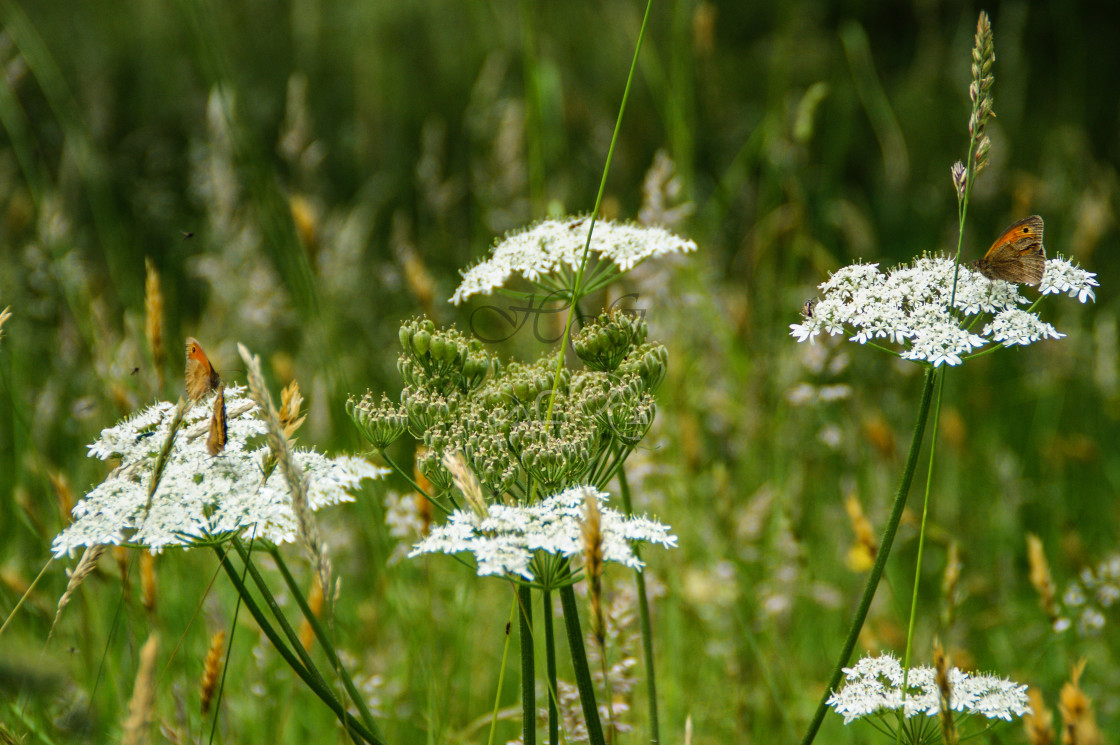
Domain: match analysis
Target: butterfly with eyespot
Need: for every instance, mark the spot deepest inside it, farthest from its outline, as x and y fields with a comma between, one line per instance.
x=201, y=375
x=1017, y=255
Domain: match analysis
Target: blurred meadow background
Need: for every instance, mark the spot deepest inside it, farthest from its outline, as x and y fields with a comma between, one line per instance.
x=306, y=175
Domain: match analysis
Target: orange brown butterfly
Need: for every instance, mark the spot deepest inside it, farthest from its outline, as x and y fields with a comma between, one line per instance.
x=1017, y=255
x=216, y=440
x=201, y=375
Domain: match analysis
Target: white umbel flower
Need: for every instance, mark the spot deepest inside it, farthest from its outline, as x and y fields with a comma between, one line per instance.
x=874, y=686
x=504, y=541
x=199, y=496
x=551, y=246
x=909, y=307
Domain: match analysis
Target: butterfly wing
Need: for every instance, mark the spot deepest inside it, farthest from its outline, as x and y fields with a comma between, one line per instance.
x=200, y=374
x=1017, y=255
x=216, y=440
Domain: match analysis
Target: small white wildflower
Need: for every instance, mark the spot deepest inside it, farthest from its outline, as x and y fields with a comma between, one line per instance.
x=1063, y=276
x=874, y=686
x=1092, y=595
x=1016, y=326
x=404, y=521
x=909, y=306
x=551, y=246
x=504, y=541
x=199, y=495
x=801, y=394
x=836, y=392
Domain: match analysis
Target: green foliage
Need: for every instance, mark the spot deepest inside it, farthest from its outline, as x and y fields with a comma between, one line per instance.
x=306, y=175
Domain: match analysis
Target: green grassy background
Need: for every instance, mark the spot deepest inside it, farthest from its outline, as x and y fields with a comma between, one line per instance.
x=408, y=136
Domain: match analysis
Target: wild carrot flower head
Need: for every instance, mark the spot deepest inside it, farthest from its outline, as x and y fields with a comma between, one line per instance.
x=504, y=541
x=554, y=246
x=909, y=307
x=874, y=686
x=199, y=497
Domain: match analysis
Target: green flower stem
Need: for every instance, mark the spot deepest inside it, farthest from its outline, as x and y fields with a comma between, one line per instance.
x=921, y=547
x=528, y=674
x=278, y=614
x=643, y=617
x=501, y=676
x=880, y=560
x=229, y=651
x=325, y=643
x=550, y=662
x=354, y=728
x=579, y=665
x=400, y=471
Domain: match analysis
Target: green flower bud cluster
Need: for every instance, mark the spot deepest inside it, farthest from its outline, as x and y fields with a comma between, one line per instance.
x=605, y=342
x=442, y=358
x=630, y=411
x=426, y=409
x=479, y=433
x=649, y=362
x=559, y=453
x=458, y=398
x=430, y=463
x=525, y=384
x=380, y=423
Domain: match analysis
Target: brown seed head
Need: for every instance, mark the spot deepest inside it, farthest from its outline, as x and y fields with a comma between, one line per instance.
x=138, y=724
x=211, y=670
x=1040, y=576
x=4, y=316
x=943, y=665
x=148, y=580
x=1079, y=725
x=290, y=402
x=593, y=563
x=63, y=496
x=864, y=548
x=1039, y=724
x=153, y=311
x=315, y=603
x=950, y=581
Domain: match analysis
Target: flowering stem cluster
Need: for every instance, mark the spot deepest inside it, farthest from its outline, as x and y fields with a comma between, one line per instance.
x=926, y=307
x=508, y=449
x=542, y=440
